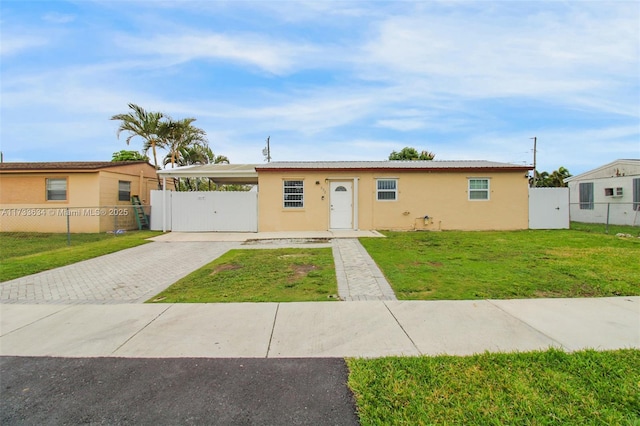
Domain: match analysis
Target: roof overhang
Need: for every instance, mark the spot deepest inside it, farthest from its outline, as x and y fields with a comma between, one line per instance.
x=223, y=174
x=404, y=166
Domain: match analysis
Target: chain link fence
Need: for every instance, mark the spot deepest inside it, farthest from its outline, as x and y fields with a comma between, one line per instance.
x=616, y=217
x=20, y=222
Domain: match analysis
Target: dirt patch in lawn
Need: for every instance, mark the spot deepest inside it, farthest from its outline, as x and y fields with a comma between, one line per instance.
x=226, y=267
x=301, y=271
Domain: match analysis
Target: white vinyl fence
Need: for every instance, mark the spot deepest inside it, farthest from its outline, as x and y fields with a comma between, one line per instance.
x=548, y=208
x=205, y=211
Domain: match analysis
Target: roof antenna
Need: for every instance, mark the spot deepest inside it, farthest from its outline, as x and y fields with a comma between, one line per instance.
x=267, y=151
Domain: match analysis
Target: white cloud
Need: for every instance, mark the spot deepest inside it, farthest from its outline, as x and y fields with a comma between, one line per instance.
x=553, y=54
x=402, y=124
x=58, y=18
x=271, y=55
x=14, y=44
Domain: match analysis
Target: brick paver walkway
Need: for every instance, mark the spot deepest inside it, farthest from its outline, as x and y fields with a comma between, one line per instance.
x=359, y=278
x=135, y=275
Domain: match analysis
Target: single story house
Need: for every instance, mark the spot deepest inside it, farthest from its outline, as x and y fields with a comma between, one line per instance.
x=94, y=195
x=608, y=194
x=368, y=195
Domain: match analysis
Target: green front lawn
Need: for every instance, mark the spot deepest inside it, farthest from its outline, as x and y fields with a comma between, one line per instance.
x=259, y=275
x=499, y=265
x=601, y=228
x=28, y=253
x=537, y=388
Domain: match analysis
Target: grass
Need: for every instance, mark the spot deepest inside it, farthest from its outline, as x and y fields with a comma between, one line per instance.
x=601, y=228
x=28, y=253
x=536, y=388
x=260, y=275
x=454, y=265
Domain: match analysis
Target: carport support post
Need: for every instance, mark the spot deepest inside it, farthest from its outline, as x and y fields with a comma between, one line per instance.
x=355, y=203
x=164, y=204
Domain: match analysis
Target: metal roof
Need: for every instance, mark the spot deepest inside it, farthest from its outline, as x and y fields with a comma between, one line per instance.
x=219, y=173
x=395, y=165
x=68, y=165
x=248, y=173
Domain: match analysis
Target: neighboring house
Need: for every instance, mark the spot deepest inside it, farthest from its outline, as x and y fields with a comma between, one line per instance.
x=37, y=197
x=367, y=195
x=608, y=194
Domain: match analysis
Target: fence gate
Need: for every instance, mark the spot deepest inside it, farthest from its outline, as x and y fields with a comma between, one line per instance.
x=207, y=211
x=548, y=208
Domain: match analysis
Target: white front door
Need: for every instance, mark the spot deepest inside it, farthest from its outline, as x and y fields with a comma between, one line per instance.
x=341, y=199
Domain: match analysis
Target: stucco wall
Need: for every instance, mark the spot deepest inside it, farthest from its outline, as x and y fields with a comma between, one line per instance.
x=142, y=177
x=443, y=196
x=90, y=194
x=25, y=208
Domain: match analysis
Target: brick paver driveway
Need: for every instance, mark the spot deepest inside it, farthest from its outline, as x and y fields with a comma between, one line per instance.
x=128, y=276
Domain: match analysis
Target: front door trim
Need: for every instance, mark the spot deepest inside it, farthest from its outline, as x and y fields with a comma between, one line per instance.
x=333, y=219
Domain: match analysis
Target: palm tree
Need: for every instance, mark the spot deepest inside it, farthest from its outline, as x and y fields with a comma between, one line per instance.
x=554, y=179
x=220, y=159
x=557, y=177
x=199, y=153
x=179, y=135
x=144, y=124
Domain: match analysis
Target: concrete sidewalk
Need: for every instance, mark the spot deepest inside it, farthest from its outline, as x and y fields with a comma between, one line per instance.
x=320, y=329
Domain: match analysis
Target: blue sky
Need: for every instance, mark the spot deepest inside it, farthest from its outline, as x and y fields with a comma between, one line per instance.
x=327, y=80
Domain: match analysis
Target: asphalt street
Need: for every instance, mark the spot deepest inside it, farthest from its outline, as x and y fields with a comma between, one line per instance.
x=170, y=391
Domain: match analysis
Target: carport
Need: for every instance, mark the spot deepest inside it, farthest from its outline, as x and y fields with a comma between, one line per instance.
x=201, y=211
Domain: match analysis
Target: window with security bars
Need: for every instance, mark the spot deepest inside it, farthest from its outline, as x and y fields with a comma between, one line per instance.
x=56, y=189
x=586, y=195
x=124, y=190
x=387, y=189
x=293, y=194
x=478, y=189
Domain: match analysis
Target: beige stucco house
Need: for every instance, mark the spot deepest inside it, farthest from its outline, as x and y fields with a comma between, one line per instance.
x=395, y=195
x=38, y=197
x=369, y=195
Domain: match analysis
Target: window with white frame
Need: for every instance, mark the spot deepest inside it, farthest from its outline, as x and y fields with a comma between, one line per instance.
x=293, y=194
x=586, y=195
x=124, y=190
x=56, y=189
x=478, y=189
x=387, y=189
